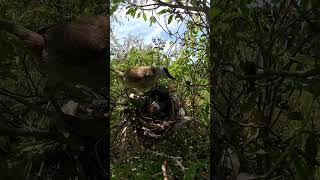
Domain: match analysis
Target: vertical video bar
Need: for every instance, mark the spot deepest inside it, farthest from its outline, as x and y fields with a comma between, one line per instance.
x=54, y=89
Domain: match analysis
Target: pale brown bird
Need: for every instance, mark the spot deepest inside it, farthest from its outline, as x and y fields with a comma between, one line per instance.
x=143, y=77
x=69, y=53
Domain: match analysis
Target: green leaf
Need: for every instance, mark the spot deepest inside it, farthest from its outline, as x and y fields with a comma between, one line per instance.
x=134, y=11
x=42, y=9
x=230, y=16
x=213, y=13
x=170, y=19
x=246, y=1
x=163, y=11
x=307, y=100
x=261, y=152
x=116, y=2
x=88, y=11
x=250, y=103
x=313, y=86
x=152, y=20
x=306, y=60
x=129, y=11
x=4, y=170
x=136, y=103
x=295, y=116
x=114, y=8
x=139, y=14
x=311, y=147
x=191, y=172
x=302, y=172
x=144, y=16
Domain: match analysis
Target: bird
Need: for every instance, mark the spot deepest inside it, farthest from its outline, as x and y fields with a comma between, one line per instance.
x=70, y=53
x=143, y=77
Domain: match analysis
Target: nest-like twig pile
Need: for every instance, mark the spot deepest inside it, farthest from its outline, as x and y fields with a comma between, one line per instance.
x=86, y=119
x=88, y=122
x=159, y=114
x=154, y=116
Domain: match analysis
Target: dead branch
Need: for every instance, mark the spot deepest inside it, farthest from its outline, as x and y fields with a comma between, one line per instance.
x=164, y=169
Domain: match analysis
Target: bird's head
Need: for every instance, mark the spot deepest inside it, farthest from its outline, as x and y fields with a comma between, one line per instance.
x=164, y=73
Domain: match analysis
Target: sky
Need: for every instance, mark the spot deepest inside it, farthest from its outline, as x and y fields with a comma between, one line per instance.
x=142, y=28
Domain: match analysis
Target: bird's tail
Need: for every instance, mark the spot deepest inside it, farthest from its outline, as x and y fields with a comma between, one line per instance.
x=118, y=73
x=33, y=40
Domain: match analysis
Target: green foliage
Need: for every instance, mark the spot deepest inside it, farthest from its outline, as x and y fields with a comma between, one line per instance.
x=306, y=60
x=311, y=147
x=192, y=171
x=140, y=168
x=295, y=116
x=188, y=64
x=144, y=16
x=301, y=168
x=277, y=38
x=170, y=18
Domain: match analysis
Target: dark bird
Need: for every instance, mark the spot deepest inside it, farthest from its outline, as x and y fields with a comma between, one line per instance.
x=68, y=53
x=143, y=77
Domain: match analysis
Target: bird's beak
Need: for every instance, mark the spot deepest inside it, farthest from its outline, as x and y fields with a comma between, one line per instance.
x=170, y=76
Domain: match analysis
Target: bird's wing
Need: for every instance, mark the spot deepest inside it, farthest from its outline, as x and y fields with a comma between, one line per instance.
x=139, y=73
x=79, y=42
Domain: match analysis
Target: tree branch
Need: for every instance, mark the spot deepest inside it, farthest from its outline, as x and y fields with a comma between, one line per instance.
x=188, y=8
x=266, y=74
